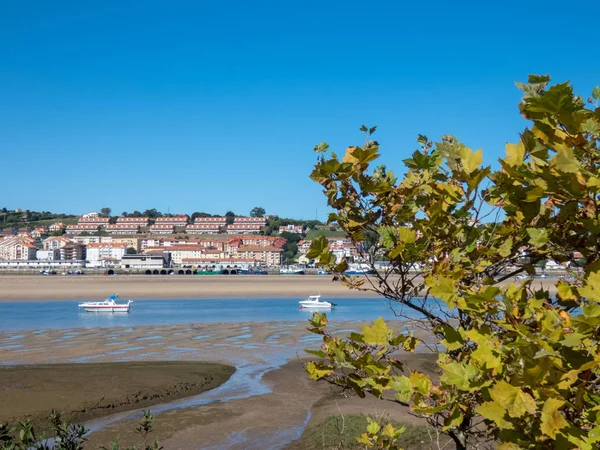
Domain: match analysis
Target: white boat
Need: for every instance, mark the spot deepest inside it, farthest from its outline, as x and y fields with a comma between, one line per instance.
x=108, y=305
x=313, y=301
x=291, y=270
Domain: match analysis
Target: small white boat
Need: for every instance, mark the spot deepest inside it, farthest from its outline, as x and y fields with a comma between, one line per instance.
x=313, y=301
x=291, y=270
x=108, y=305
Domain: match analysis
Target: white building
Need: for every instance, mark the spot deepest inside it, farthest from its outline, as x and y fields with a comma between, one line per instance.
x=162, y=228
x=203, y=228
x=123, y=228
x=48, y=255
x=16, y=248
x=103, y=254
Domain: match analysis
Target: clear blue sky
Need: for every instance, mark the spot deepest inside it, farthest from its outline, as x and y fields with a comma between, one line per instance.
x=211, y=106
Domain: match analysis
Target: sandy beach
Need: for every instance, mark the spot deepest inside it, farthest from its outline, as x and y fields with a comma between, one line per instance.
x=58, y=287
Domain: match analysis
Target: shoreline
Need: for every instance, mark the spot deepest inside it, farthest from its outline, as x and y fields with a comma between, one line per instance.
x=148, y=287
x=29, y=288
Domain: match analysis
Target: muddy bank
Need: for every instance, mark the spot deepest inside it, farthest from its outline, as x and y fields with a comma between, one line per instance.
x=282, y=418
x=85, y=391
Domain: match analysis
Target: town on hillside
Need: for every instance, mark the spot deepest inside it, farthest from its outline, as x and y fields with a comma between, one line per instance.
x=213, y=244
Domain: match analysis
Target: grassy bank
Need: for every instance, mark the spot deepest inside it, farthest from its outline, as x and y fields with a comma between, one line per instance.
x=341, y=431
x=85, y=391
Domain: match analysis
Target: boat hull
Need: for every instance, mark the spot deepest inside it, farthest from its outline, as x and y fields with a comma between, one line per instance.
x=107, y=309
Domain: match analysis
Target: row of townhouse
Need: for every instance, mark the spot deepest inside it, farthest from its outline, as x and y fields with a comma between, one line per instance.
x=167, y=225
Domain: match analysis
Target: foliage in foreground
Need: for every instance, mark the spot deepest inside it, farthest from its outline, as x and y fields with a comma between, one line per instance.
x=65, y=435
x=519, y=367
x=342, y=431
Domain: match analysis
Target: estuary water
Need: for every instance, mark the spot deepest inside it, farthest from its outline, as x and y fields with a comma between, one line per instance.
x=66, y=315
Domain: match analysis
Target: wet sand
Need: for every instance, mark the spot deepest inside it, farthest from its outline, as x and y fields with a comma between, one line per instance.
x=59, y=287
x=267, y=400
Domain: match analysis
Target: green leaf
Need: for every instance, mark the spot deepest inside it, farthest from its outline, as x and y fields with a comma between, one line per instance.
x=458, y=374
x=496, y=413
x=552, y=419
x=373, y=427
x=388, y=236
x=513, y=399
x=422, y=139
x=454, y=420
x=378, y=334
x=318, y=246
x=565, y=160
x=421, y=382
x=596, y=93
x=538, y=236
x=407, y=235
x=506, y=248
x=591, y=289
x=443, y=287
x=321, y=148
x=452, y=338
x=403, y=388
x=364, y=128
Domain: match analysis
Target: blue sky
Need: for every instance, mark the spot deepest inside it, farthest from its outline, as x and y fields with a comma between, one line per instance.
x=215, y=106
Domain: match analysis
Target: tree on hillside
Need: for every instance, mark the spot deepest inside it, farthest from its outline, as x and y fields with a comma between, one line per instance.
x=257, y=212
x=136, y=214
x=519, y=366
x=124, y=214
x=152, y=213
x=131, y=251
x=105, y=212
x=230, y=216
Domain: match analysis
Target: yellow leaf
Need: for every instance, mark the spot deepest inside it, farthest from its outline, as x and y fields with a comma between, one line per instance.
x=552, y=419
x=318, y=370
x=378, y=334
x=421, y=382
x=496, y=413
x=513, y=399
x=515, y=154
x=470, y=160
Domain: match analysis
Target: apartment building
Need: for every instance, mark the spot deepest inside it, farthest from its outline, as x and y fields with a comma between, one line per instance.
x=55, y=242
x=221, y=221
x=180, y=220
x=98, y=254
x=99, y=221
x=72, y=252
x=47, y=255
x=80, y=228
x=270, y=256
x=141, y=221
x=17, y=248
x=162, y=228
x=123, y=228
x=244, y=228
x=296, y=229
x=58, y=226
x=203, y=228
x=130, y=242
